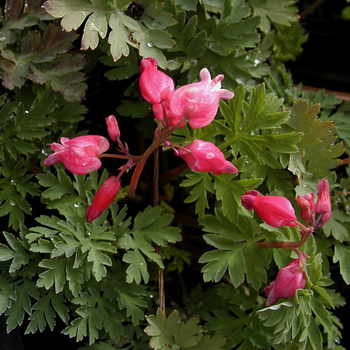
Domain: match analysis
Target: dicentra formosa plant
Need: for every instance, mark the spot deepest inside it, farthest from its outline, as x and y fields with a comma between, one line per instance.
x=197, y=104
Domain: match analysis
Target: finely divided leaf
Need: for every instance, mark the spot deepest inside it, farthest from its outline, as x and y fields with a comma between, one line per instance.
x=275, y=11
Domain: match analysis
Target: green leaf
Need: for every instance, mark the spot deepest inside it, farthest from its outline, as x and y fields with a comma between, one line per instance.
x=168, y=332
x=90, y=245
x=21, y=304
x=202, y=183
x=64, y=76
x=95, y=313
x=275, y=11
x=317, y=155
x=7, y=294
x=229, y=192
x=54, y=274
x=45, y=311
x=150, y=226
x=17, y=252
x=45, y=57
x=342, y=255
x=118, y=38
x=207, y=342
x=335, y=225
x=234, y=249
x=137, y=267
x=130, y=298
x=250, y=124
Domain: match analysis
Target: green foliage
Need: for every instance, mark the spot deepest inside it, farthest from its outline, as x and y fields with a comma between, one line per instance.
x=233, y=251
x=274, y=11
x=316, y=156
x=40, y=55
x=251, y=129
x=288, y=41
x=148, y=36
x=100, y=279
x=170, y=332
x=149, y=226
x=29, y=121
x=341, y=254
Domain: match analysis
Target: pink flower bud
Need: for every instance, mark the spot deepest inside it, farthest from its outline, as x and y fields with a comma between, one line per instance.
x=205, y=156
x=153, y=83
x=323, y=204
x=103, y=198
x=276, y=211
x=307, y=205
x=289, y=279
x=198, y=102
x=80, y=154
x=112, y=128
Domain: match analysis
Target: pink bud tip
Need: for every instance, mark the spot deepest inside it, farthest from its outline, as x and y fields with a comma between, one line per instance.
x=112, y=128
x=323, y=204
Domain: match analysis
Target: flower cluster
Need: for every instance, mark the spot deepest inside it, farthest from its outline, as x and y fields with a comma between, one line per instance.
x=322, y=206
x=278, y=211
x=195, y=103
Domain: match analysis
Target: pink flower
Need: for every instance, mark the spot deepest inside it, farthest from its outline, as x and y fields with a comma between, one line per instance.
x=307, y=205
x=80, y=154
x=205, y=156
x=198, y=102
x=323, y=204
x=112, y=128
x=153, y=83
x=103, y=198
x=289, y=279
x=276, y=211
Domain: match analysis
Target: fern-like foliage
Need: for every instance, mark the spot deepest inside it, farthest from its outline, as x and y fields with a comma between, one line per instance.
x=40, y=55
x=28, y=123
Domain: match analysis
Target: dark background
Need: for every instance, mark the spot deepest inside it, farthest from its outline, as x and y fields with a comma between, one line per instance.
x=324, y=63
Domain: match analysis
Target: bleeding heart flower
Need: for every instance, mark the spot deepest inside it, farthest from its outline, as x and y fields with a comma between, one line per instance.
x=274, y=210
x=323, y=203
x=289, y=279
x=103, y=198
x=198, y=102
x=205, y=156
x=153, y=83
x=307, y=205
x=113, y=128
x=80, y=154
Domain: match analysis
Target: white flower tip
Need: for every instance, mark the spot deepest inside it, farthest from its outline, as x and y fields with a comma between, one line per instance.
x=227, y=94
x=205, y=75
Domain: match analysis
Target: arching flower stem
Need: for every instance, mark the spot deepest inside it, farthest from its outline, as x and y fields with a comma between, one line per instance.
x=162, y=136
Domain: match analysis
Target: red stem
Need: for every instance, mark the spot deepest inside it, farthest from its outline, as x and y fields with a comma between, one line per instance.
x=285, y=245
x=163, y=135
